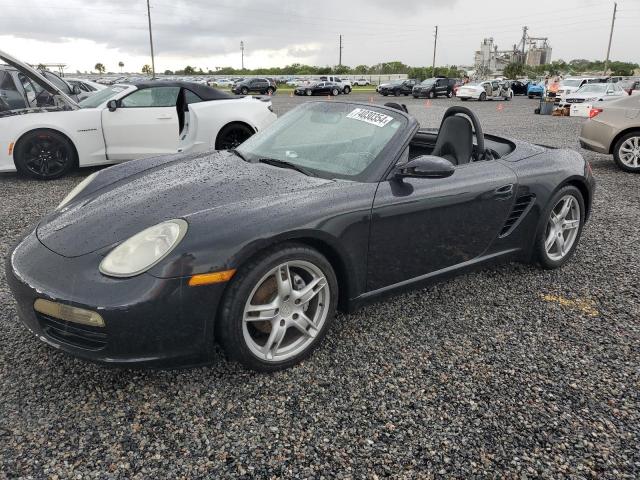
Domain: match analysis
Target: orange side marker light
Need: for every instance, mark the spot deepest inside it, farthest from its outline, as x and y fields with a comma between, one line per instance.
x=11, y=148
x=211, y=278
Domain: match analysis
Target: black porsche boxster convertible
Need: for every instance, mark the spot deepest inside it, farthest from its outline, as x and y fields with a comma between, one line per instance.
x=337, y=203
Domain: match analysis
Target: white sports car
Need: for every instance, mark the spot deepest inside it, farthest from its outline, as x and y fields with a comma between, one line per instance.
x=122, y=122
x=487, y=90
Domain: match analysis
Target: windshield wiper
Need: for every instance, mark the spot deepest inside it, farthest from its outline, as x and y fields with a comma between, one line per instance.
x=284, y=164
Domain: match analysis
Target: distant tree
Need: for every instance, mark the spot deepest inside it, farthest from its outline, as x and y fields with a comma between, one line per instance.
x=514, y=70
x=99, y=67
x=341, y=69
x=361, y=69
x=41, y=66
x=146, y=69
x=189, y=70
x=168, y=72
x=121, y=65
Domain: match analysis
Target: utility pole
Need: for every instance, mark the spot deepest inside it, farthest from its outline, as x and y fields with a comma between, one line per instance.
x=153, y=64
x=613, y=21
x=340, y=53
x=242, y=52
x=435, y=44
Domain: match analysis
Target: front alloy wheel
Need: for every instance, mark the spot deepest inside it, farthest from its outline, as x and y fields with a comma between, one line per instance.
x=558, y=239
x=278, y=308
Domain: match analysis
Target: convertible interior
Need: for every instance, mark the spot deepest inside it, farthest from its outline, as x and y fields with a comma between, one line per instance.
x=457, y=139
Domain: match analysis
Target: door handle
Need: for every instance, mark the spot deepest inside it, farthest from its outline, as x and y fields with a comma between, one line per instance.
x=503, y=192
x=164, y=117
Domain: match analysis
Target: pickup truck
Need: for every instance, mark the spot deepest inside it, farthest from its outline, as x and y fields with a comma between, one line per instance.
x=345, y=85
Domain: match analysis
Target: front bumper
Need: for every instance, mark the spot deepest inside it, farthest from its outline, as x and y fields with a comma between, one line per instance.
x=148, y=320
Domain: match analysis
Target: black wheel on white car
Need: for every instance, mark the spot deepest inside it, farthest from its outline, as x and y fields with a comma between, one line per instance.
x=232, y=135
x=44, y=154
x=278, y=308
x=482, y=97
x=626, y=152
x=560, y=228
x=347, y=90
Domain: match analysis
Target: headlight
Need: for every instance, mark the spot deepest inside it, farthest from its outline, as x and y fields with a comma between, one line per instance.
x=144, y=250
x=77, y=189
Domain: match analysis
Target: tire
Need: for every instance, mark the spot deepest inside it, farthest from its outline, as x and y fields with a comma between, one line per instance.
x=464, y=99
x=335, y=92
x=385, y=94
x=450, y=94
x=415, y=96
x=270, y=91
x=44, y=154
x=244, y=91
x=626, y=152
x=255, y=284
x=482, y=97
x=431, y=94
x=397, y=93
x=232, y=135
x=347, y=90
x=547, y=248
x=309, y=93
x=530, y=97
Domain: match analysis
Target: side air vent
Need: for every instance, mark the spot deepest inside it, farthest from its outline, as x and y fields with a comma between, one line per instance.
x=522, y=205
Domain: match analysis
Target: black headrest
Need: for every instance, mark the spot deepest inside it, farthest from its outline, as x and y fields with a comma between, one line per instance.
x=397, y=106
x=455, y=140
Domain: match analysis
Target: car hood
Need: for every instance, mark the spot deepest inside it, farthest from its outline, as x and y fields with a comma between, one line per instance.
x=178, y=188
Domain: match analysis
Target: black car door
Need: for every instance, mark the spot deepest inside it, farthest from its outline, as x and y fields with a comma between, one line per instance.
x=421, y=226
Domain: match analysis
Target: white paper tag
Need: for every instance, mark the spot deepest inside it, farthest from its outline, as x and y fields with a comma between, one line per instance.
x=369, y=116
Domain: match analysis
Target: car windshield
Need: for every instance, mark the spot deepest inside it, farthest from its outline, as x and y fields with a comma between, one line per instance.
x=428, y=81
x=397, y=82
x=330, y=139
x=593, y=88
x=571, y=83
x=100, y=97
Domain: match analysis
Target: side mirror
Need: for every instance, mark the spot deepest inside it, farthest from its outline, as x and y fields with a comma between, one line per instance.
x=426, y=166
x=112, y=105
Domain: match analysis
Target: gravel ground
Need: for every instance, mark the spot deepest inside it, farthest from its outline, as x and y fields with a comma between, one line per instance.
x=511, y=372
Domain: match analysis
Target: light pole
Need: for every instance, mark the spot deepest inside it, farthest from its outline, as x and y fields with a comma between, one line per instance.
x=153, y=64
x=242, y=52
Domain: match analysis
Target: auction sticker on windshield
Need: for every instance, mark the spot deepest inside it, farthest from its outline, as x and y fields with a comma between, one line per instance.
x=369, y=116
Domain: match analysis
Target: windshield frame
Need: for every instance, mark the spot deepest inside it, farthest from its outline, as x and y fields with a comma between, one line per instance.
x=89, y=102
x=379, y=165
x=587, y=88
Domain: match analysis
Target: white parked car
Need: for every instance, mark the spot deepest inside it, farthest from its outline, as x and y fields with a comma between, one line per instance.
x=87, y=87
x=123, y=122
x=362, y=82
x=595, y=92
x=487, y=90
x=571, y=85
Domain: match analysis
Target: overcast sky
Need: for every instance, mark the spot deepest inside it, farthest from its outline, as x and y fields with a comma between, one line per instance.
x=207, y=33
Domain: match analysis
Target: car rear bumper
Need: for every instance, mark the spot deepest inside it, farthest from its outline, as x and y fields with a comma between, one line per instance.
x=596, y=136
x=147, y=320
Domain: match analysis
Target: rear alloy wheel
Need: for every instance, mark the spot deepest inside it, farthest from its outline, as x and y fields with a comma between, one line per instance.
x=482, y=97
x=244, y=90
x=626, y=152
x=44, y=155
x=335, y=92
x=431, y=94
x=231, y=136
x=270, y=91
x=396, y=93
x=450, y=94
x=347, y=90
x=309, y=93
x=558, y=237
x=278, y=308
